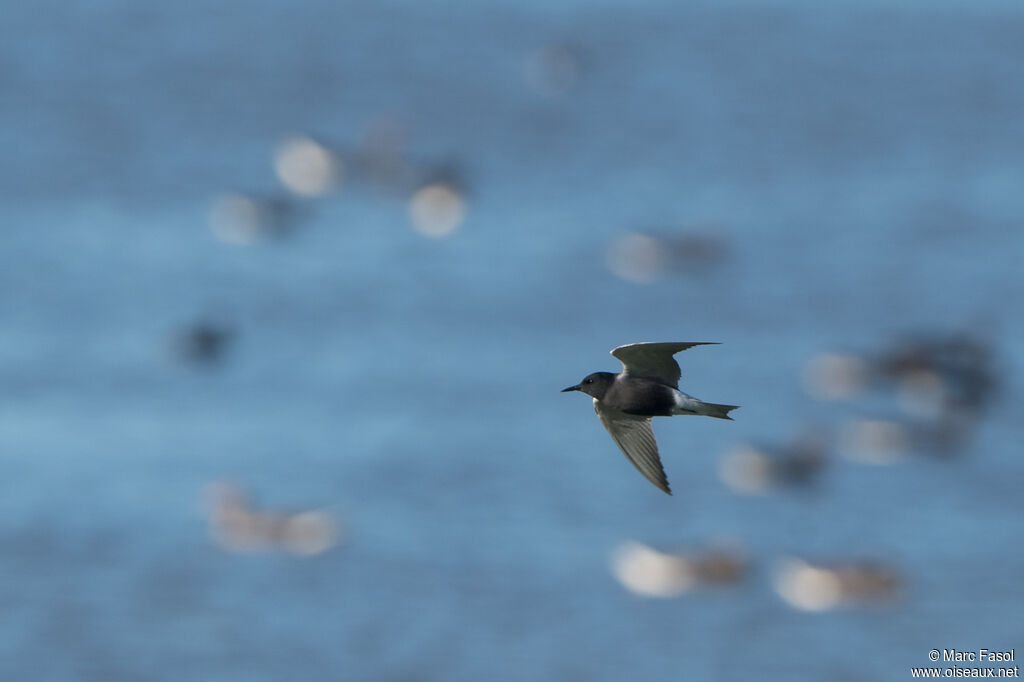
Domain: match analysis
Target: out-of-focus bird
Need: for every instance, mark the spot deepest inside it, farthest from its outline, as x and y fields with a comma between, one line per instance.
x=943, y=384
x=752, y=469
x=245, y=219
x=652, y=573
x=237, y=526
x=820, y=587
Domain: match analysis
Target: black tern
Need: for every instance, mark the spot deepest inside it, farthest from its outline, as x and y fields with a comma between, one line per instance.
x=647, y=387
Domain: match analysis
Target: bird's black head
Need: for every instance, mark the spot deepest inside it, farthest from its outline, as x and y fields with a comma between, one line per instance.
x=594, y=385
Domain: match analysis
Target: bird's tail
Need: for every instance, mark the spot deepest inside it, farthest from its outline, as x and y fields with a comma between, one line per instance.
x=715, y=410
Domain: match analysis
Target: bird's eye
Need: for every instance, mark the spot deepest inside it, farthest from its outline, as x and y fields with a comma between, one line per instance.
x=588, y=381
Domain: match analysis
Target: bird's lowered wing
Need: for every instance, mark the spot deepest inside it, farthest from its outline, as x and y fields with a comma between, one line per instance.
x=654, y=360
x=635, y=438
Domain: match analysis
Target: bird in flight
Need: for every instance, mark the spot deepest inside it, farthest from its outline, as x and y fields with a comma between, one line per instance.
x=647, y=386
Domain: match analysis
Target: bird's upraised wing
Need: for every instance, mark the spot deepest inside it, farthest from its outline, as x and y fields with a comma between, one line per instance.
x=635, y=438
x=654, y=360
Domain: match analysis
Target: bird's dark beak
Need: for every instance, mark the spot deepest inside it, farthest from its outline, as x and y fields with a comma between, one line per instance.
x=571, y=388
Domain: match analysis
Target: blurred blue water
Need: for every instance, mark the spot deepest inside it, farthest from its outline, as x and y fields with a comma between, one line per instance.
x=862, y=162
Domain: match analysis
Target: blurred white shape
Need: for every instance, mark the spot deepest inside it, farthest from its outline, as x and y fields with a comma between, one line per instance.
x=875, y=441
x=306, y=167
x=747, y=470
x=553, y=69
x=236, y=526
x=236, y=219
x=650, y=573
x=810, y=587
x=310, y=533
x=637, y=258
x=437, y=209
x=831, y=376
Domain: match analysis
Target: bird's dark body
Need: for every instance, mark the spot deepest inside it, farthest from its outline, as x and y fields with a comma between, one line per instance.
x=638, y=396
x=644, y=397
